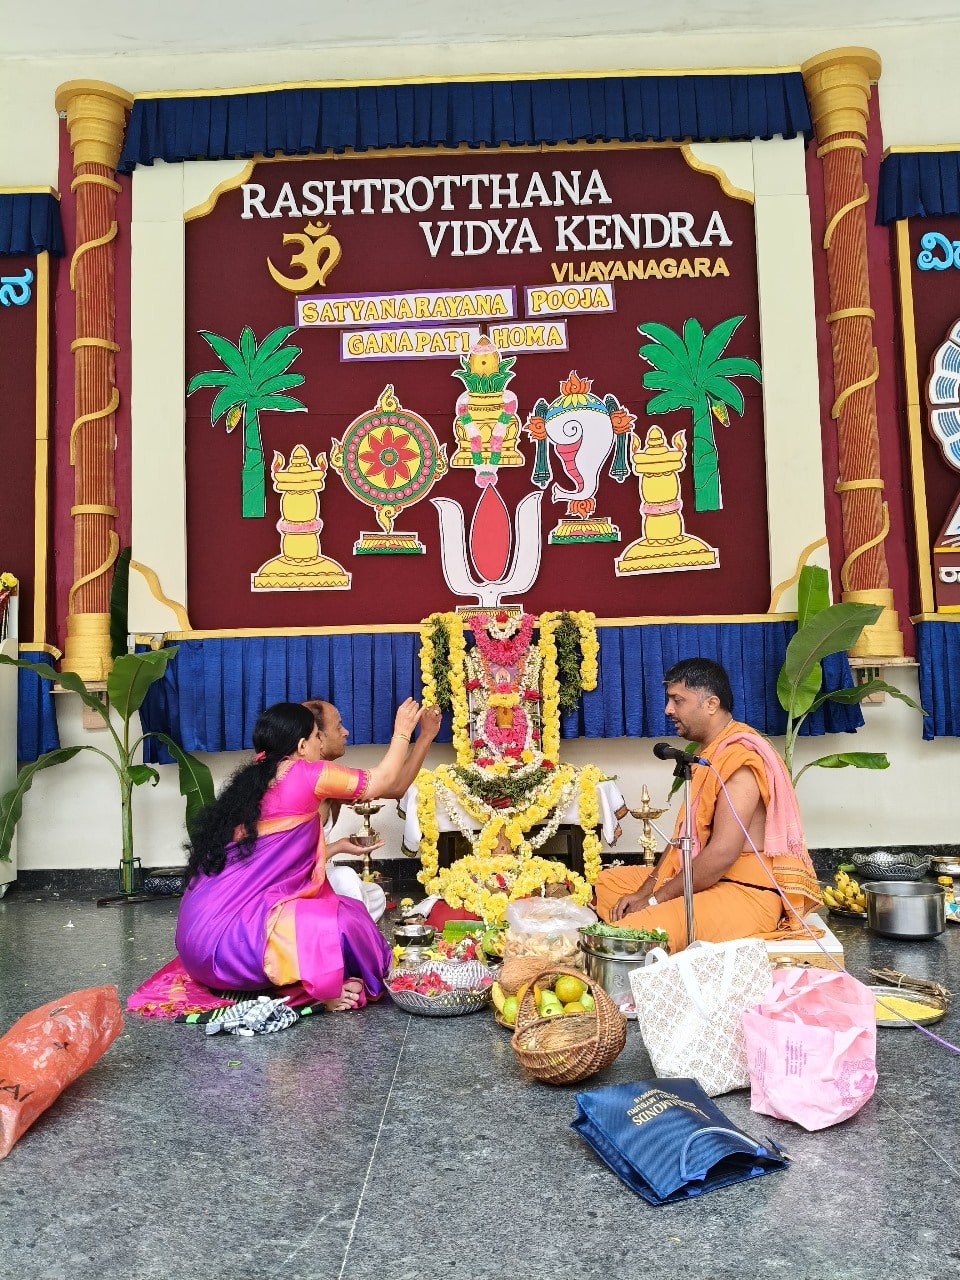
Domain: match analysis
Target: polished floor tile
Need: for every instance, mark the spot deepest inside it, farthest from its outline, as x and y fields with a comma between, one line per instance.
x=388, y=1147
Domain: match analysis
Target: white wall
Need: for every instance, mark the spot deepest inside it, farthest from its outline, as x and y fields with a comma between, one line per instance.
x=71, y=816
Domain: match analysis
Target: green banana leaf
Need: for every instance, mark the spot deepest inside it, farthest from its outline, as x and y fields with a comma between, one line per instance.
x=832, y=629
x=847, y=760
x=196, y=780
x=813, y=594
x=131, y=678
x=141, y=773
x=11, y=804
x=119, y=590
x=852, y=760
x=66, y=679
x=861, y=691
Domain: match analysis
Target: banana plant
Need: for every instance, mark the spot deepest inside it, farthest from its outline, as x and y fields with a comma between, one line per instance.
x=127, y=686
x=822, y=629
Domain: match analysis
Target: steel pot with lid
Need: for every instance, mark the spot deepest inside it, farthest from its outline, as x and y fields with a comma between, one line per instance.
x=905, y=908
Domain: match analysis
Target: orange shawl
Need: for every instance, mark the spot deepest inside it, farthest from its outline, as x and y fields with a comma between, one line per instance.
x=784, y=854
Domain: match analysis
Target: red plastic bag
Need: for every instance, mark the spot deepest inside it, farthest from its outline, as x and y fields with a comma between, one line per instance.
x=812, y=1047
x=47, y=1049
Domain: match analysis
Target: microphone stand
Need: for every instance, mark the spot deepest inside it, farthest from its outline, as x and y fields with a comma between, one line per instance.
x=683, y=770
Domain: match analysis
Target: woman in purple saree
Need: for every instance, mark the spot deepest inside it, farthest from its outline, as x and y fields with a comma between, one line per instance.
x=258, y=910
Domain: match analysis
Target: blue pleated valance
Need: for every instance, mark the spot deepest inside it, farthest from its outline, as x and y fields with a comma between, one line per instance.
x=296, y=122
x=30, y=223
x=918, y=184
x=212, y=693
x=37, y=730
x=938, y=655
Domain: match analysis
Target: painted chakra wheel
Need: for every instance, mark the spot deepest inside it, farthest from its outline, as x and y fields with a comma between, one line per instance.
x=389, y=457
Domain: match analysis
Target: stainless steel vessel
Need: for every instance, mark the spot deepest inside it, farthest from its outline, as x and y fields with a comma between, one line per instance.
x=610, y=961
x=905, y=908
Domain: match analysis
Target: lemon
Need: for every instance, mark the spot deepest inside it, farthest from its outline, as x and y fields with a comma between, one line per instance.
x=574, y=1006
x=509, y=1010
x=568, y=989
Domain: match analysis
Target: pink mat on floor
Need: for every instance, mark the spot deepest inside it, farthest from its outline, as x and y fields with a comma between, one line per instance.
x=171, y=991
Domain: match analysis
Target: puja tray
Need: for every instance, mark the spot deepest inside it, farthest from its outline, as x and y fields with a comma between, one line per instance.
x=882, y=865
x=848, y=915
x=466, y=997
x=885, y=992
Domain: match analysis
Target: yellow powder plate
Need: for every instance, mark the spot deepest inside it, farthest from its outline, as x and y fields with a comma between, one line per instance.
x=911, y=1004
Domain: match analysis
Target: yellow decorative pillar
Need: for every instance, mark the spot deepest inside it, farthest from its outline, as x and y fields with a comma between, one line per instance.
x=96, y=115
x=838, y=89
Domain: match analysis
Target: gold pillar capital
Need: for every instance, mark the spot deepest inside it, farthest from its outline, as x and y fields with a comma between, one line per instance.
x=96, y=115
x=838, y=90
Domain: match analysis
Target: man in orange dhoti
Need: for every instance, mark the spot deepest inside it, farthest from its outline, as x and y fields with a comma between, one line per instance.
x=734, y=891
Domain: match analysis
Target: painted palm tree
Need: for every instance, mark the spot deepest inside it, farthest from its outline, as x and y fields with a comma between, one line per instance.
x=253, y=378
x=691, y=373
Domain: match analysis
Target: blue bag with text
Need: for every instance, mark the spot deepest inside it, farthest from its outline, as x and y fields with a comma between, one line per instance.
x=668, y=1141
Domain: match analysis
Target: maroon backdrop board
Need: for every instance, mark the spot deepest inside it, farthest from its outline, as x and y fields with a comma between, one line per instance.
x=18, y=395
x=621, y=238
x=935, y=278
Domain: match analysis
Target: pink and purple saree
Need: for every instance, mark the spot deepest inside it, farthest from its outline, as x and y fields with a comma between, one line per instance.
x=270, y=918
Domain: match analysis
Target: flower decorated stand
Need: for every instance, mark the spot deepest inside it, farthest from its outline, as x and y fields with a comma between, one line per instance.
x=508, y=794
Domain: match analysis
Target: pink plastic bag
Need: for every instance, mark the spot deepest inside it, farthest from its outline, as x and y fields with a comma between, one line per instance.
x=812, y=1047
x=47, y=1049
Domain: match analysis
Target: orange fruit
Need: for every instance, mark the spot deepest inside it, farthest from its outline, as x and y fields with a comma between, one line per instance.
x=568, y=988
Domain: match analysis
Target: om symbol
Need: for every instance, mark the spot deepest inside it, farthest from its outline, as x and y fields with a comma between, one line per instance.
x=932, y=240
x=15, y=290
x=319, y=254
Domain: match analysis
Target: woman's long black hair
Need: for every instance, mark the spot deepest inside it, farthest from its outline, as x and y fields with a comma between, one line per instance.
x=275, y=736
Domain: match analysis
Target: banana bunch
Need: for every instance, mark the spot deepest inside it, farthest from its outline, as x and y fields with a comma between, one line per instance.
x=845, y=894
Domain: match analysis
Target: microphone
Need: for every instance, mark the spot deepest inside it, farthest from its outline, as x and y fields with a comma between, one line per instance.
x=664, y=751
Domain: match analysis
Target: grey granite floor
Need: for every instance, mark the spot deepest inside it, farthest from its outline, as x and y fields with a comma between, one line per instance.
x=376, y=1145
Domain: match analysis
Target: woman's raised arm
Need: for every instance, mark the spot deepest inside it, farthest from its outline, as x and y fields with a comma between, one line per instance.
x=429, y=728
x=386, y=776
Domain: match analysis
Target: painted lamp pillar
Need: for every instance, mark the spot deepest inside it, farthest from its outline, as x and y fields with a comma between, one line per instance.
x=96, y=114
x=838, y=89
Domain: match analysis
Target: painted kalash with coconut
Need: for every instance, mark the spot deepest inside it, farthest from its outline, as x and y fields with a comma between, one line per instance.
x=508, y=792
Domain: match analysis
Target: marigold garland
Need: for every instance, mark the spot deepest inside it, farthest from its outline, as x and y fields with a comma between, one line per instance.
x=549, y=686
x=483, y=884
x=589, y=816
x=458, y=696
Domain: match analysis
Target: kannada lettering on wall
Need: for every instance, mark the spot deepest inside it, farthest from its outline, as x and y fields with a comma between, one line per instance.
x=535, y=319
x=935, y=244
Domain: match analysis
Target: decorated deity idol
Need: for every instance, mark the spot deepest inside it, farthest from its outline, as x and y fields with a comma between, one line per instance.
x=507, y=793
x=503, y=687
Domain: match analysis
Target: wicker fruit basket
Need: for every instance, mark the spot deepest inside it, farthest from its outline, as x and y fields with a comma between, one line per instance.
x=572, y=1046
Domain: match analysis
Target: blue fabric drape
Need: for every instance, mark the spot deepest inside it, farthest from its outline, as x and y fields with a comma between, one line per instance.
x=296, y=122
x=37, y=729
x=213, y=691
x=30, y=224
x=918, y=184
x=938, y=656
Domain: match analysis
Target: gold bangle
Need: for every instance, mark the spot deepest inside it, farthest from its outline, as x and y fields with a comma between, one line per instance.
x=402, y=735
